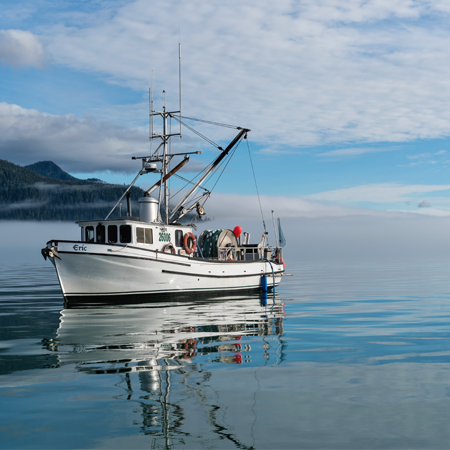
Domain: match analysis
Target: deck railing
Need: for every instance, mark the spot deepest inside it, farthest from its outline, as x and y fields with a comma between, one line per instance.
x=248, y=253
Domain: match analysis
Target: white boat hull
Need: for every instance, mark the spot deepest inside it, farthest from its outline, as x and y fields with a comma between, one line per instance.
x=104, y=270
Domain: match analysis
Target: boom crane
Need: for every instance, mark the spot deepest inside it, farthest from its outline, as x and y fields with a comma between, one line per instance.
x=181, y=211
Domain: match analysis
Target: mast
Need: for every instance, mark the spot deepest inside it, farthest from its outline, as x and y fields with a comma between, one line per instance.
x=165, y=164
x=149, y=166
x=166, y=157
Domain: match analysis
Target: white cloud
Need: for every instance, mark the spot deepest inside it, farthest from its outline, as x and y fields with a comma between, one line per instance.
x=296, y=73
x=236, y=206
x=77, y=144
x=425, y=155
x=421, y=156
x=413, y=164
x=21, y=48
x=426, y=212
x=377, y=193
x=418, y=163
x=344, y=152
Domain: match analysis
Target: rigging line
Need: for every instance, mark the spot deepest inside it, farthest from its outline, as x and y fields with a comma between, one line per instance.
x=224, y=167
x=204, y=201
x=229, y=159
x=213, y=173
x=196, y=198
x=197, y=133
x=192, y=200
x=200, y=194
x=192, y=181
x=256, y=185
x=212, y=123
x=188, y=181
x=179, y=72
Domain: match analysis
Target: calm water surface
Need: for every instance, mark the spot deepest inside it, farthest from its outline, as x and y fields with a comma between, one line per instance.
x=346, y=356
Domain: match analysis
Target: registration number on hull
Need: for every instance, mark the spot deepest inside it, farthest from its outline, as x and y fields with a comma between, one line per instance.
x=164, y=237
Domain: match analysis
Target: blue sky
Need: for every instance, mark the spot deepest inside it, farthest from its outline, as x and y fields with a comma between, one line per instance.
x=347, y=101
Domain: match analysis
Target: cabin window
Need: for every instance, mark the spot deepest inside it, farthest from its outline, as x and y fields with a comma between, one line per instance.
x=82, y=234
x=125, y=234
x=144, y=235
x=179, y=238
x=89, y=234
x=112, y=234
x=100, y=233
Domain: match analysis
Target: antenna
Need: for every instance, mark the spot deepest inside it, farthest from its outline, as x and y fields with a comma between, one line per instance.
x=150, y=111
x=179, y=76
x=274, y=228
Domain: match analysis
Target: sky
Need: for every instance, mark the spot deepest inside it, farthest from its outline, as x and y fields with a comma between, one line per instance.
x=347, y=101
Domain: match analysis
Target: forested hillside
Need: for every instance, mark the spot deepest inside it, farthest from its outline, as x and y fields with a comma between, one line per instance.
x=27, y=195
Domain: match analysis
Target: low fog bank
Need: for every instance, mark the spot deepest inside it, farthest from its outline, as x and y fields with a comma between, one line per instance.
x=366, y=238
x=21, y=242
x=349, y=239
x=357, y=238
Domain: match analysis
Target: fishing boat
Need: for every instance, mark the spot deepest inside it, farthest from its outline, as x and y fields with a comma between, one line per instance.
x=155, y=253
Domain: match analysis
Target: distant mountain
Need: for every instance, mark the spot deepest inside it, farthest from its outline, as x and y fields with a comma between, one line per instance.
x=51, y=170
x=28, y=195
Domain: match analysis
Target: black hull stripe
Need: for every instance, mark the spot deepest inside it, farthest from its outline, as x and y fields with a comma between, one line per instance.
x=177, y=291
x=199, y=275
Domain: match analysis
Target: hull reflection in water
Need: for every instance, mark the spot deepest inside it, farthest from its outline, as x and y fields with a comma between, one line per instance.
x=162, y=356
x=127, y=338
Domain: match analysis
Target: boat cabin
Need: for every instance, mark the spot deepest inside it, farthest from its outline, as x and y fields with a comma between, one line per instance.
x=126, y=231
x=172, y=239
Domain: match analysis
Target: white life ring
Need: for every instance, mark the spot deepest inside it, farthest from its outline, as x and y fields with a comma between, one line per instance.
x=190, y=243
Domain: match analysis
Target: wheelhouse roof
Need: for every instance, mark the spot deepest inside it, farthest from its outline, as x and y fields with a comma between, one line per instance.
x=129, y=220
